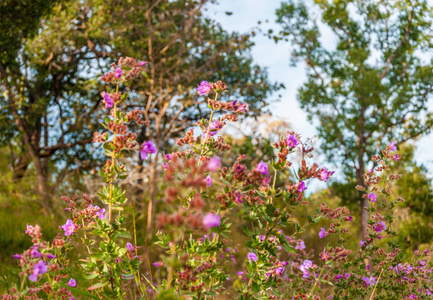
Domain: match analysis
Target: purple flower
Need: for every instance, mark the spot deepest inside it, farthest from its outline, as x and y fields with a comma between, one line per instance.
x=214, y=164
x=168, y=156
x=213, y=128
x=158, y=264
x=208, y=180
x=108, y=101
x=142, y=63
x=240, y=273
x=39, y=268
x=50, y=256
x=263, y=168
x=372, y=197
x=325, y=174
x=379, y=227
x=305, y=267
x=69, y=227
x=211, y=220
x=292, y=142
x=204, y=88
x=322, y=233
x=301, y=187
x=392, y=146
x=362, y=243
x=241, y=107
x=147, y=148
x=369, y=281
x=396, y=157
x=252, y=256
x=72, y=282
x=17, y=256
x=350, y=218
x=34, y=252
x=101, y=214
x=300, y=245
x=129, y=247
x=118, y=72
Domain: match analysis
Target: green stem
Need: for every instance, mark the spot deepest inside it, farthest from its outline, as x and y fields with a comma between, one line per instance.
x=317, y=280
x=207, y=131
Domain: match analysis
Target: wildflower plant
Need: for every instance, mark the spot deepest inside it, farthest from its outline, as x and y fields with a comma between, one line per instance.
x=202, y=195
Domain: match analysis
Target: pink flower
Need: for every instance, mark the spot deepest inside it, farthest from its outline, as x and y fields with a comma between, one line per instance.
x=292, y=142
x=203, y=88
x=108, y=101
x=142, y=63
x=211, y=220
x=252, y=256
x=147, y=148
x=158, y=264
x=72, y=282
x=118, y=72
x=305, y=267
x=101, y=214
x=301, y=187
x=396, y=157
x=208, y=180
x=322, y=233
x=300, y=245
x=69, y=227
x=214, y=164
x=39, y=268
x=325, y=174
x=392, y=146
x=372, y=197
x=262, y=167
x=379, y=227
x=129, y=247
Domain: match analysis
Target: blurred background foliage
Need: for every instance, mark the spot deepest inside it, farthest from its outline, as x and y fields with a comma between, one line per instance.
x=50, y=104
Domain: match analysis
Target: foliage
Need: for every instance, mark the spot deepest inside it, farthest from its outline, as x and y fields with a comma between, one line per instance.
x=372, y=87
x=203, y=196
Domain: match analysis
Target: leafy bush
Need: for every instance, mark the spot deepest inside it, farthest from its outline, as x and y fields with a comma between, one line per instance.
x=203, y=254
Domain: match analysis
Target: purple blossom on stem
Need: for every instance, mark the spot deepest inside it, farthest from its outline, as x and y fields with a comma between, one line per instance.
x=362, y=243
x=118, y=72
x=292, y=142
x=372, y=197
x=262, y=167
x=379, y=227
x=101, y=214
x=146, y=149
x=158, y=264
x=325, y=174
x=392, y=146
x=252, y=256
x=214, y=164
x=17, y=256
x=305, y=267
x=39, y=268
x=203, y=88
x=300, y=245
x=69, y=227
x=108, y=101
x=211, y=220
x=396, y=157
x=72, y=282
x=322, y=233
x=142, y=63
x=129, y=247
x=301, y=187
x=34, y=252
x=208, y=180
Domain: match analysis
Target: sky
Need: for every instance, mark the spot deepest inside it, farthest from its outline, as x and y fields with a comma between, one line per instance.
x=275, y=57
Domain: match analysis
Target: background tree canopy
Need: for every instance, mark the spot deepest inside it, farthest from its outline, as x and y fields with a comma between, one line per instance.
x=50, y=90
x=373, y=86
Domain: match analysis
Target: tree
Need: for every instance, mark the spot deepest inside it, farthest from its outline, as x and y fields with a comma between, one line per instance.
x=48, y=82
x=372, y=88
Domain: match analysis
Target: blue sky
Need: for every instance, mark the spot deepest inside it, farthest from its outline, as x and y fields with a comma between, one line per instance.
x=275, y=57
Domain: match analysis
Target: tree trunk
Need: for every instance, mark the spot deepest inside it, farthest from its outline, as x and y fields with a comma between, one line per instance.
x=20, y=168
x=364, y=201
